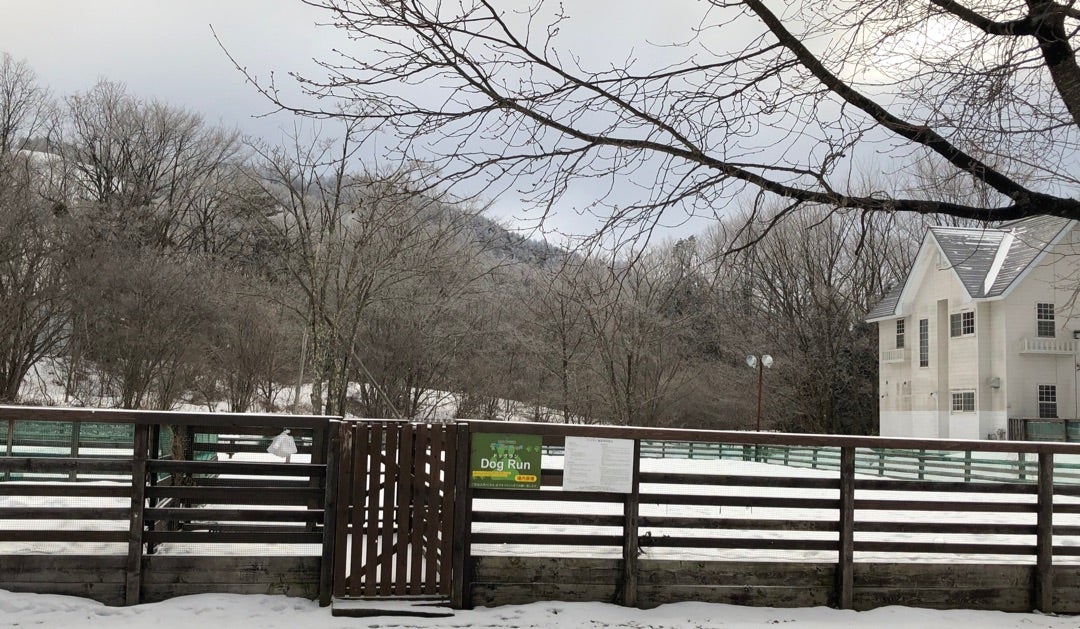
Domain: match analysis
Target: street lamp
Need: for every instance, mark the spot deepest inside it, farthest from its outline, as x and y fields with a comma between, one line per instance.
x=761, y=365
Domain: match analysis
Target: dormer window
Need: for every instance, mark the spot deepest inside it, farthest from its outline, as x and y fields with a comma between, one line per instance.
x=899, y=334
x=1044, y=320
x=962, y=323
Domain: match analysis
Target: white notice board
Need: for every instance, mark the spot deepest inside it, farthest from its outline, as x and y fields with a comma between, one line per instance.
x=593, y=464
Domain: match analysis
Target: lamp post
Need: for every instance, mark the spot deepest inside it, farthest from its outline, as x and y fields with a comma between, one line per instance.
x=765, y=362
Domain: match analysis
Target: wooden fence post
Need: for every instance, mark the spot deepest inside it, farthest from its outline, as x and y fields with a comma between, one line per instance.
x=76, y=429
x=967, y=466
x=461, y=592
x=331, y=442
x=1044, y=536
x=140, y=447
x=10, y=443
x=845, y=573
x=1021, y=466
x=631, y=548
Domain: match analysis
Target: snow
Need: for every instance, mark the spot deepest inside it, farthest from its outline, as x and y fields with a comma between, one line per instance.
x=279, y=612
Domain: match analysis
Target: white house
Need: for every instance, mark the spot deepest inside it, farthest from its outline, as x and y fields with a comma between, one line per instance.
x=982, y=329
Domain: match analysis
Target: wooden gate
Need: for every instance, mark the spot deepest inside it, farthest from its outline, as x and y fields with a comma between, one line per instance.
x=395, y=513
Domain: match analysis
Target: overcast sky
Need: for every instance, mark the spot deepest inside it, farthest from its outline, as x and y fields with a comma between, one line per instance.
x=165, y=49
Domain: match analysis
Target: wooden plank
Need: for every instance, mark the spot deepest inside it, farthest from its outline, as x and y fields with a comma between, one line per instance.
x=1044, y=538
x=462, y=534
x=140, y=452
x=557, y=539
x=659, y=572
x=675, y=522
x=571, y=519
x=520, y=569
x=53, y=465
x=224, y=570
x=216, y=421
x=740, y=501
x=227, y=515
x=848, y=504
x=420, y=497
x=346, y=493
x=944, y=487
x=496, y=594
x=391, y=481
x=945, y=504
x=432, y=512
x=43, y=535
x=298, y=496
x=944, y=547
x=66, y=490
x=239, y=468
x=332, y=446
x=630, y=546
x=374, y=495
x=916, y=576
x=62, y=569
x=739, y=480
x=62, y=513
x=404, y=512
x=299, y=536
x=448, y=511
x=361, y=449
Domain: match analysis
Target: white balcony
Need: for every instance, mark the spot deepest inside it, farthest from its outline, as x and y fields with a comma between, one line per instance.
x=894, y=355
x=1047, y=346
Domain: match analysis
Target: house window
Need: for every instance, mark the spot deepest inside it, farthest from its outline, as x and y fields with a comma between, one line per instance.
x=899, y=334
x=962, y=323
x=1044, y=320
x=1048, y=401
x=924, y=342
x=963, y=401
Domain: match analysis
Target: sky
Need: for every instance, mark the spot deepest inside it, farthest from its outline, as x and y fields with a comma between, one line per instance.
x=166, y=49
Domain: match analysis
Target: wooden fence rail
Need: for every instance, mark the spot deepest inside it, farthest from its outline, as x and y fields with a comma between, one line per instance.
x=160, y=521
x=746, y=534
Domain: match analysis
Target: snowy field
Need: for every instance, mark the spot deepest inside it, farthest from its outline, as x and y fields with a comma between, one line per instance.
x=213, y=611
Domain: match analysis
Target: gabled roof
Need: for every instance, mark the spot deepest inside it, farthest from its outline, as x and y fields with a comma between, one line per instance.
x=988, y=261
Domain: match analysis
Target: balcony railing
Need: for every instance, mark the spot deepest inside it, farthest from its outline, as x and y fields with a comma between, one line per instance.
x=1047, y=346
x=894, y=355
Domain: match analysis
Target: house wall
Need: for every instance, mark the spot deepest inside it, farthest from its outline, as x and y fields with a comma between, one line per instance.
x=916, y=401
x=1054, y=281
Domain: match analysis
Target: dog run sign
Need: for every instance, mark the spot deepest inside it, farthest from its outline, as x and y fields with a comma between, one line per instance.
x=505, y=461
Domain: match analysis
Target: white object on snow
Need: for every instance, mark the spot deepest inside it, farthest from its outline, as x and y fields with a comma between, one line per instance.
x=283, y=445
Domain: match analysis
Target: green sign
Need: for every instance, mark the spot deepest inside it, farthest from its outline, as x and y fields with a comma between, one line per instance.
x=505, y=461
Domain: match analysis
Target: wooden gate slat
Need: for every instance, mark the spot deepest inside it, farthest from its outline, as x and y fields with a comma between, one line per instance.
x=404, y=510
x=361, y=445
x=446, y=520
x=371, y=527
x=345, y=494
x=434, y=504
x=420, y=497
x=391, y=479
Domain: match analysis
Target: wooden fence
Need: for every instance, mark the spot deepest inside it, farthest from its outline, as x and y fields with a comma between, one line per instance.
x=731, y=531
x=150, y=525
x=142, y=524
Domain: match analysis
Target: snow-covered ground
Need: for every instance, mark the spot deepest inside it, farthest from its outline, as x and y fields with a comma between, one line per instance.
x=279, y=612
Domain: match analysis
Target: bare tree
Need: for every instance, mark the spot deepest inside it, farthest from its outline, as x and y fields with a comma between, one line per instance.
x=787, y=101
x=345, y=241
x=150, y=169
